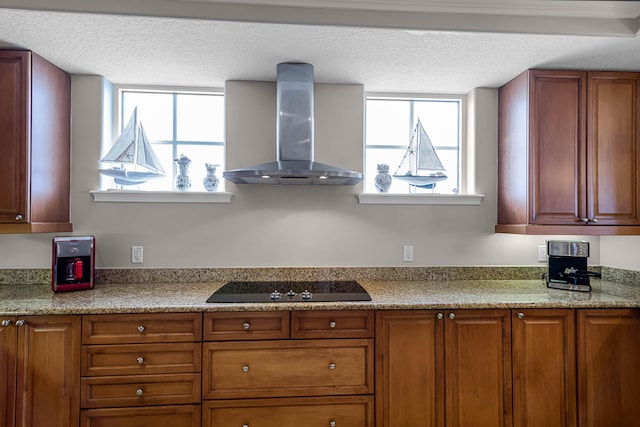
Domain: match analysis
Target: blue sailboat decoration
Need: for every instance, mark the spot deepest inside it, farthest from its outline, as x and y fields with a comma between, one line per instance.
x=420, y=156
x=132, y=152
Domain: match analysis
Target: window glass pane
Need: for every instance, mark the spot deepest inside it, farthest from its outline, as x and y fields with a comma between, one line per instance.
x=155, y=112
x=200, y=118
x=440, y=120
x=388, y=122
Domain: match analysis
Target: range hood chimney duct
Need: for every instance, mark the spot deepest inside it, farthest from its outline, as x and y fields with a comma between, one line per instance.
x=294, y=138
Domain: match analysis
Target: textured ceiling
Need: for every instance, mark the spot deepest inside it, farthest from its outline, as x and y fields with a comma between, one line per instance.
x=130, y=49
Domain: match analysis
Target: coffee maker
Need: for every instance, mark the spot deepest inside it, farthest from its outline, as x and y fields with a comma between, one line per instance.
x=73, y=263
x=567, y=263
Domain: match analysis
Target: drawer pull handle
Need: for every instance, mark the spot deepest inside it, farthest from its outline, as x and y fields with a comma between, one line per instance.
x=245, y=368
x=452, y=316
x=140, y=360
x=141, y=328
x=246, y=326
x=332, y=366
x=20, y=322
x=520, y=315
x=139, y=391
x=332, y=324
x=6, y=322
x=332, y=423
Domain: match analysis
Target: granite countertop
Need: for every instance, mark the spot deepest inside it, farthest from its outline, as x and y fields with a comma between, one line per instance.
x=425, y=294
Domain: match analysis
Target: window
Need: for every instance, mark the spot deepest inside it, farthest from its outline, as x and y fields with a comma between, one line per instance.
x=393, y=123
x=175, y=124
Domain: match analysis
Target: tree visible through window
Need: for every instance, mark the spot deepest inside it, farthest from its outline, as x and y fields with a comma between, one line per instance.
x=177, y=123
x=400, y=133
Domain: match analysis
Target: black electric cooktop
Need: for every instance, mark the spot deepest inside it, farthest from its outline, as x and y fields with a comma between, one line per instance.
x=282, y=291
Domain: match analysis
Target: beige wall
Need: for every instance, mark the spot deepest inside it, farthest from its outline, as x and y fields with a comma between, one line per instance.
x=283, y=225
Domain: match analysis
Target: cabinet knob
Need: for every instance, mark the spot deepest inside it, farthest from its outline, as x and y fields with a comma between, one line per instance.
x=246, y=326
x=19, y=217
x=139, y=391
x=6, y=322
x=332, y=324
x=332, y=423
x=594, y=220
x=452, y=316
x=140, y=360
x=584, y=220
x=20, y=322
x=141, y=328
x=245, y=368
x=332, y=366
x=520, y=315
x=245, y=425
x=439, y=316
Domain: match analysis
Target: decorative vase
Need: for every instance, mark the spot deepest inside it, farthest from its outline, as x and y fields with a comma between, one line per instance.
x=382, y=180
x=183, y=182
x=210, y=180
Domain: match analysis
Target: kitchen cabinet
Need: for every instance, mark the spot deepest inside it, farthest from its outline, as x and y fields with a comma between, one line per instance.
x=288, y=369
x=544, y=366
x=473, y=350
x=608, y=372
x=141, y=370
x=39, y=381
x=569, y=153
x=35, y=113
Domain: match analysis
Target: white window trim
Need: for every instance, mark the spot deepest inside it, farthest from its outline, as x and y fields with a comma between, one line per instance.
x=134, y=196
x=420, y=199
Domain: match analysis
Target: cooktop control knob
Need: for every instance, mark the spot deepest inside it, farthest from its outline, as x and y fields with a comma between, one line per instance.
x=275, y=295
x=306, y=295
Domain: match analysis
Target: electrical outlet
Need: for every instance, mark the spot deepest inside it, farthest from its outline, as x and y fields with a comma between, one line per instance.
x=136, y=254
x=407, y=253
x=542, y=253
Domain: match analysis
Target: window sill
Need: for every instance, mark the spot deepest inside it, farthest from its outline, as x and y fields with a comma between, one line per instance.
x=420, y=199
x=129, y=196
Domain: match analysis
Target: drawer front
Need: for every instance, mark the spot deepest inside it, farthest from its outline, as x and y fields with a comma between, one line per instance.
x=332, y=324
x=154, y=416
x=140, y=390
x=140, y=359
x=141, y=328
x=287, y=368
x=239, y=326
x=350, y=411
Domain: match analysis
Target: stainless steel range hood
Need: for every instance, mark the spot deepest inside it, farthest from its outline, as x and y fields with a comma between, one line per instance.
x=294, y=138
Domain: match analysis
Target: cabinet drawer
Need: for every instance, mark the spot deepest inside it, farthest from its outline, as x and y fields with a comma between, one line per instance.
x=141, y=328
x=332, y=324
x=349, y=411
x=139, y=359
x=140, y=390
x=287, y=368
x=155, y=416
x=234, y=326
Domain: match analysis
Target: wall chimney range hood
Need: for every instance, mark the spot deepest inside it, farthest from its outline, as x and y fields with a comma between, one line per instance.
x=294, y=138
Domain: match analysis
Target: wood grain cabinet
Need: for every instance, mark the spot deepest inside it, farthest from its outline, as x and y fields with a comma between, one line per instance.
x=141, y=370
x=39, y=371
x=443, y=368
x=569, y=153
x=35, y=116
x=286, y=369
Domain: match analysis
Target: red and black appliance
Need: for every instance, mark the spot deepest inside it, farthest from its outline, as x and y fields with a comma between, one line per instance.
x=73, y=263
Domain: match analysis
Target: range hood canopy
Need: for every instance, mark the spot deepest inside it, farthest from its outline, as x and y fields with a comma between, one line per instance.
x=294, y=138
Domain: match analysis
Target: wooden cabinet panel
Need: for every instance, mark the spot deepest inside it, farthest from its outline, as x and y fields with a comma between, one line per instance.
x=141, y=328
x=332, y=324
x=8, y=362
x=347, y=411
x=153, y=416
x=409, y=369
x=544, y=379
x=608, y=374
x=478, y=368
x=287, y=368
x=234, y=326
x=138, y=359
x=140, y=390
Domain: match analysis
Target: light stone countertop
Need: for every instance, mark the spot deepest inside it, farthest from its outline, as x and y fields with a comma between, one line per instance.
x=436, y=294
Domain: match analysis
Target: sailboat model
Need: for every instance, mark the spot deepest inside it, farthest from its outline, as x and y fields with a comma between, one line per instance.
x=137, y=163
x=420, y=156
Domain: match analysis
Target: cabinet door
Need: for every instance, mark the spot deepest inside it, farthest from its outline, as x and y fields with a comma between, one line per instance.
x=48, y=372
x=613, y=152
x=7, y=370
x=409, y=369
x=544, y=378
x=15, y=72
x=557, y=102
x=608, y=373
x=478, y=368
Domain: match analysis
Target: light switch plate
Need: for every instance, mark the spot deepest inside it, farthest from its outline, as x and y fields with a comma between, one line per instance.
x=136, y=254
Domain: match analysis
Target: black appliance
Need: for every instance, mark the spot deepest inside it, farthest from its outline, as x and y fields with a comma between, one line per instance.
x=567, y=265
x=73, y=260
x=285, y=291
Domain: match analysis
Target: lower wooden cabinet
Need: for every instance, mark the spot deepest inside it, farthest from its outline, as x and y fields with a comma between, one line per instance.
x=153, y=416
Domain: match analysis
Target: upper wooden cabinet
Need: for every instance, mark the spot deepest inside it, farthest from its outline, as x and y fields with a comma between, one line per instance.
x=35, y=111
x=568, y=153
